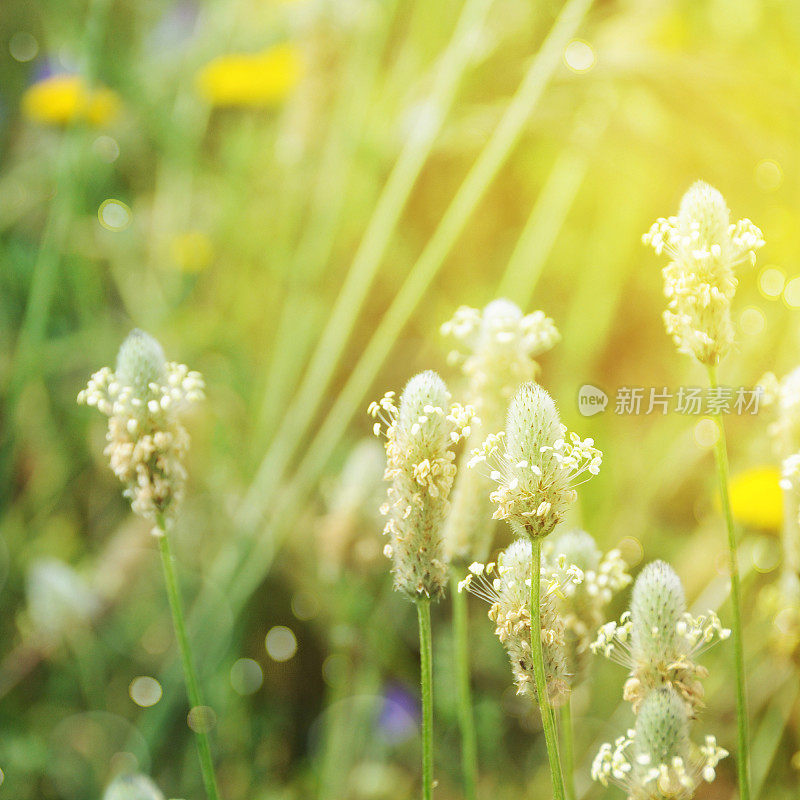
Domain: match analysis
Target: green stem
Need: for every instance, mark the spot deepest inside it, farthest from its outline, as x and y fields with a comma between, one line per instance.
x=192, y=684
x=567, y=746
x=426, y=682
x=548, y=720
x=721, y=456
x=466, y=721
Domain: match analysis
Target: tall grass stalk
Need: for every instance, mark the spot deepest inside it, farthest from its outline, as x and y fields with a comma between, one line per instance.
x=426, y=683
x=721, y=457
x=568, y=748
x=187, y=659
x=466, y=719
x=548, y=718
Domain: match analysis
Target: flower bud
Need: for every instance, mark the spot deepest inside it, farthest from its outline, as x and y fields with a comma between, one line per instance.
x=140, y=362
x=657, y=606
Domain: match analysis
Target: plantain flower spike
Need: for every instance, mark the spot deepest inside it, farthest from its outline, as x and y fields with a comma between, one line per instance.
x=535, y=464
x=421, y=433
x=144, y=398
x=656, y=760
x=496, y=350
x=658, y=640
x=581, y=606
x=506, y=587
x=700, y=281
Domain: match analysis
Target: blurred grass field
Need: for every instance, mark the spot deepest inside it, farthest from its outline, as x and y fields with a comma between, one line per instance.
x=293, y=196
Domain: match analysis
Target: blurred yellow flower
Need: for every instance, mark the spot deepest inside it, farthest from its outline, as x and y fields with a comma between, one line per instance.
x=191, y=251
x=251, y=79
x=756, y=498
x=62, y=98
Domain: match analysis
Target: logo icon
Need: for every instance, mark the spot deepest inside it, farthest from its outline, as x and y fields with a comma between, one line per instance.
x=591, y=400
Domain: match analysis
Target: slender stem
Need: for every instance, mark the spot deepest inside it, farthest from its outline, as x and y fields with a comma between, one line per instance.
x=567, y=746
x=426, y=682
x=548, y=720
x=466, y=721
x=192, y=684
x=721, y=456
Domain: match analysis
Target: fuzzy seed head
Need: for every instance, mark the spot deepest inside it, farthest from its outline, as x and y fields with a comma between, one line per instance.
x=656, y=760
x=657, y=606
x=703, y=211
x=140, y=362
x=659, y=641
x=536, y=464
x=662, y=729
x=421, y=433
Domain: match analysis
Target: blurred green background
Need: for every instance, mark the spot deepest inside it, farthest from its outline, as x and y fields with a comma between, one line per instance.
x=300, y=194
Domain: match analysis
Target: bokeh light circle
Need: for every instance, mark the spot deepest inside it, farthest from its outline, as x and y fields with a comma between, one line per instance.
x=281, y=643
x=791, y=293
x=201, y=719
x=145, y=691
x=579, y=56
x=771, y=282
x=114, y=215
x=23, y=46
x=706, y=433
x=752, y=321
x=246, y=676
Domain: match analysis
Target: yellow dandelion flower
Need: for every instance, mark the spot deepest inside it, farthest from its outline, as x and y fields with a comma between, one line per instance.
x=62, y=98
x=756, y=498
x=191, y=251
x=251, y=79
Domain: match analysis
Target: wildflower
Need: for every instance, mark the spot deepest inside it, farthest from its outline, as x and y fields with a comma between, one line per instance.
x=143, y=400
x=535, y=464
x=420, y=435
x=495, y=350
x=132, y=786
x=700, y=280
x=61, y=99
x=581, y=605
x=251, y=79
x=656, y=760
x=756, y=499
x=508, y=595
x=659, y=640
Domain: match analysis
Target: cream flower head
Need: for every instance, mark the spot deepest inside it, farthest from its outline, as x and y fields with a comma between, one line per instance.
x=421, y=433
x=143, y=400
x=700, y=280
x=536, y=464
